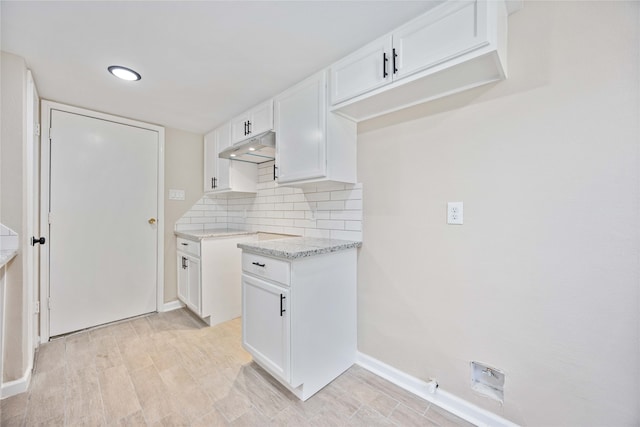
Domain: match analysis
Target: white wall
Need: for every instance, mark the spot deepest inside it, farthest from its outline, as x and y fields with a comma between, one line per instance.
x=543, y=279
x=183, y=169
x=13, y=77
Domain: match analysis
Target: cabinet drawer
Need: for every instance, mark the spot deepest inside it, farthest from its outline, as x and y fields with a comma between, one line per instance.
x=267, y=268
x=188, y=246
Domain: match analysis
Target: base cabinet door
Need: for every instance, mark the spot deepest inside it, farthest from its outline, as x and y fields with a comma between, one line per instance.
x=183, y=277
x=266, y=326
x=189, y=282
x=195, y=298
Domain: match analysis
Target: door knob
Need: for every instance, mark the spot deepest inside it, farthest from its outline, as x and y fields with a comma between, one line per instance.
x=152, y=221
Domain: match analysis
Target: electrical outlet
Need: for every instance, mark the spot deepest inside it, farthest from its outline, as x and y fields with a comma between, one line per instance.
x=455, y=213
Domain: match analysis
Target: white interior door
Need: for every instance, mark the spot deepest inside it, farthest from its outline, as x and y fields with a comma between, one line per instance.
x=103, y=232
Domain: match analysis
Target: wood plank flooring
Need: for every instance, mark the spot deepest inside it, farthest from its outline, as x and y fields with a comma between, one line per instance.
x=169, y=369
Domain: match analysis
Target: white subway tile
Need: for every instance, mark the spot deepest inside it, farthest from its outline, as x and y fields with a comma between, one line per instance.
x=319, y=234
x=284, y=190
x=353, y=225
x=348, y=215
x=275, y=199
x=315, y=197
x=265, y=185
x=294, y=214
x=330, y=224
x=284, y=206
x=347, y=195
x=353, y=204
x=318, y=215
x=294, y=198
x=304, y=206
x=293, y=230
x=331, y=206
x=329, y=186
x=304, y=223
x=346, y=235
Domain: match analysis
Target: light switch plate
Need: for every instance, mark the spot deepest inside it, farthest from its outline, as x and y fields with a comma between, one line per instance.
x=455, y=213
x=176, y=194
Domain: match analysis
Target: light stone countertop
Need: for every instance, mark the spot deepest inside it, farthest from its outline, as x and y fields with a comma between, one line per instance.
x=298, y=247
x=6, y=256
x=203, y=234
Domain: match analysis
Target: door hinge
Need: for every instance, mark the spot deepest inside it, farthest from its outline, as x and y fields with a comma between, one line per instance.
x=37, y=129
x=37, y=307
x=50, y=218
x=50, y=134
x=49, y=303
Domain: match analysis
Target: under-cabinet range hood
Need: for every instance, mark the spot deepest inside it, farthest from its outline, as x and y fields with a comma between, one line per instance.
x=257, y=149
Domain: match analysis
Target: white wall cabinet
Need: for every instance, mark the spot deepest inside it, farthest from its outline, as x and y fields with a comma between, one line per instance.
x=312, y=144
x=253, y=122
x=223, y=175
x=299, y=317
x=453, y=47
x=209, y=274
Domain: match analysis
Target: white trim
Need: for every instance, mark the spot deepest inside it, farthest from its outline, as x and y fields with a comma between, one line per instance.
x=45, y=113
x=172, y=305
x=11, y=388
x=447, y=401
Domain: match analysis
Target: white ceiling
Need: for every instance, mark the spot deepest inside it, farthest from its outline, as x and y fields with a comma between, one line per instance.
x=201, y=62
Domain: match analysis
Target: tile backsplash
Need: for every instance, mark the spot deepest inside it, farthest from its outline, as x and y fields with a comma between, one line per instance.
x=330, y=210
x=8, y=239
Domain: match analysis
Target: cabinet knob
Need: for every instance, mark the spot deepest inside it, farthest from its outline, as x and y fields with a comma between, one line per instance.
x=152, y=221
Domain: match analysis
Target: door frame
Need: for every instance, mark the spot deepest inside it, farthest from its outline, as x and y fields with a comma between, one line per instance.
x=45, y=112
x=32, y=209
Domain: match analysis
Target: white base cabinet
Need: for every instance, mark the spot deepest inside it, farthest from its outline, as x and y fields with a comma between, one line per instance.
x=299, y=317
x=208, y=276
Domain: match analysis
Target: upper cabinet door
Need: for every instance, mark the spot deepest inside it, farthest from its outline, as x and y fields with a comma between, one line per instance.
x=240, y=128
x=300, y=125
x=223, y=140
x=210, y=157
x=366, y=69
x=255, y=121
x=443, y=34
x=261, y=118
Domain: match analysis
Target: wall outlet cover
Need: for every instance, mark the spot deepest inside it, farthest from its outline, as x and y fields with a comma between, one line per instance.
x=455, y=213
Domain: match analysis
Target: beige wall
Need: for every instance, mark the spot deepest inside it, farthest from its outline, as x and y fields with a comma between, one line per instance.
x=12, y=139
x=542, y=280
x=183, y=171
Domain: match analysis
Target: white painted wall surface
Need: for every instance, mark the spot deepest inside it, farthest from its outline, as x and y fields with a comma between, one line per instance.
x=543, y=278
x=183, y=171
x=13, y=139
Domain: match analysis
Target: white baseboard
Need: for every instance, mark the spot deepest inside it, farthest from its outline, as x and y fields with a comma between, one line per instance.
x=18, y=386
x=172, y=305
x=457, y=406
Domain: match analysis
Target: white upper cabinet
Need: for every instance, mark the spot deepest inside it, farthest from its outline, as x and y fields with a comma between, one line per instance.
x=438, y=36
x=222, y=175
x=362, y=71
x=253, y=122
x=453, y=47
x=311, y=144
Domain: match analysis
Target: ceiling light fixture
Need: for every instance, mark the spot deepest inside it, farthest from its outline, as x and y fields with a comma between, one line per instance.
x=124, y=73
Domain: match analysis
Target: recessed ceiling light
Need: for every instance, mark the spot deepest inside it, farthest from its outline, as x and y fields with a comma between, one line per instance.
x=124, y=73
x=232, y=155
x=252, y=149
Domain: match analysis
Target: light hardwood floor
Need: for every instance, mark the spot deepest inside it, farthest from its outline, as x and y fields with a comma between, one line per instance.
x=169, y=369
